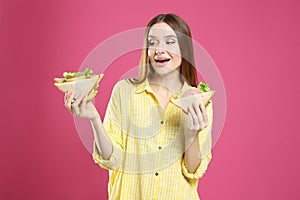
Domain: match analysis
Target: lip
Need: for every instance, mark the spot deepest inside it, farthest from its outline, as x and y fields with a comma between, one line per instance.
x=162, y=63
x=161, y=58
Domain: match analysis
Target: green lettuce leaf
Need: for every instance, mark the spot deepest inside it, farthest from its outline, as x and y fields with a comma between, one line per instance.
x=203, y=86
x=87, y=72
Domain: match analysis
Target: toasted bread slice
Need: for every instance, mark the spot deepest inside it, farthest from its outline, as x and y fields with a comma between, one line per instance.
x=203, y=97
x=81, y=86
x=63, y=80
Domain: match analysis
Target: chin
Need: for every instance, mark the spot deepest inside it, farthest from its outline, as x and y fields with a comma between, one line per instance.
x=165, y=69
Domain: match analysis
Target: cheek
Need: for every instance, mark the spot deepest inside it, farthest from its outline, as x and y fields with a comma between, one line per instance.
x=176, y=54
x=150, y=55
x=150, y=52
x=175, y=50
x=177, y=59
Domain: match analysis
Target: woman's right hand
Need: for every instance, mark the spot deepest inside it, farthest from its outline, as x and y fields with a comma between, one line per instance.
x=80, y=107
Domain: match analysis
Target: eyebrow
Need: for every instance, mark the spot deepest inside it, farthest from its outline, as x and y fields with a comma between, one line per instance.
x=164, y=36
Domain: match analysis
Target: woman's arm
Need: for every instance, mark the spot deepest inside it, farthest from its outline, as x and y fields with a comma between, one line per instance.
x=103, y=143
x=83, y=108
x=192, y=155
x=198, y=120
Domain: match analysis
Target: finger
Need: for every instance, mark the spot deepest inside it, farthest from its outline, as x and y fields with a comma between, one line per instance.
x=199, y=115
x=68, y=95
x=69, y=101
x=194, y=116
x=75, y=105
x=204, y=113
x=80, y=99
x=82, y=106
x=190, y=118
x=75, y=110
x=77, y=100
x=65, y=98
x=84, y=101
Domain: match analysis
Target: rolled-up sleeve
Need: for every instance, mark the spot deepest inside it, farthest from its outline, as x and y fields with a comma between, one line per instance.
x=112, y=126
x=205, y=143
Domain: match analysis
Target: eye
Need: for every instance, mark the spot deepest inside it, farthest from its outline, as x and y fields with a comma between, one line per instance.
x=170, y=41
x=153, y=43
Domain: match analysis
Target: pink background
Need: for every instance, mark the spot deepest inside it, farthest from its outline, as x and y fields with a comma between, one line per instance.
x=255, y=45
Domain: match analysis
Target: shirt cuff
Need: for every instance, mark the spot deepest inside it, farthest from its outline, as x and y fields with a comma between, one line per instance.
x=200, y=170
x=114, y=161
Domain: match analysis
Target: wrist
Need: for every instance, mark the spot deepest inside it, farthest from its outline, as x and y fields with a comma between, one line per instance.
x=190, y=135
x=95, y=118
x=190, y=138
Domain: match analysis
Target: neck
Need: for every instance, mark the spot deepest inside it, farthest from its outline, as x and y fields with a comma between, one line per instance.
x=169, y=83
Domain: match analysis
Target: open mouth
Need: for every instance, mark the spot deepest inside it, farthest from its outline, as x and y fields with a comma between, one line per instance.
x=162, y=61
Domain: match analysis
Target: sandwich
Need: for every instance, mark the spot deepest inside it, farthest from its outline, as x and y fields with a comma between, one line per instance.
x=201, y=94
x=85, y=83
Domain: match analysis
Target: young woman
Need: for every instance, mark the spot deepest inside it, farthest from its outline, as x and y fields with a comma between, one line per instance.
x=152, y=149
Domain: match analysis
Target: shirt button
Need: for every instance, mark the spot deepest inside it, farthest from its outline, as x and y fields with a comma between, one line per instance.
x=159, y=147
x=161, y=122
x=156, y=174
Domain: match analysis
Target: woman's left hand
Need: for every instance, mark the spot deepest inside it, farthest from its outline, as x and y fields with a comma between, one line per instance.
x=197, y=120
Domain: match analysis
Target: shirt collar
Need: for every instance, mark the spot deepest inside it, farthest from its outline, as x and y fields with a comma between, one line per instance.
x=145, y=86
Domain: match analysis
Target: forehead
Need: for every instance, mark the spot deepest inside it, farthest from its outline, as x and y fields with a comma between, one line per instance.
x=160, y=30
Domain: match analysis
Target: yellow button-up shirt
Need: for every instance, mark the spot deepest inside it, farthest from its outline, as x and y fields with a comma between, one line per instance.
x=148, y=146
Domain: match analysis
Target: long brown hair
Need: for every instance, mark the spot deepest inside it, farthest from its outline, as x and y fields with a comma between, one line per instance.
x=187, y=67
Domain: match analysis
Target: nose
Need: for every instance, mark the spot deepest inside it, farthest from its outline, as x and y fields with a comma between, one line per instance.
x=158, y=51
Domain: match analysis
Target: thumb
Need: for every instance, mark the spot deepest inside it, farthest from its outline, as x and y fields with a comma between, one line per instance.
x=84, y=101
